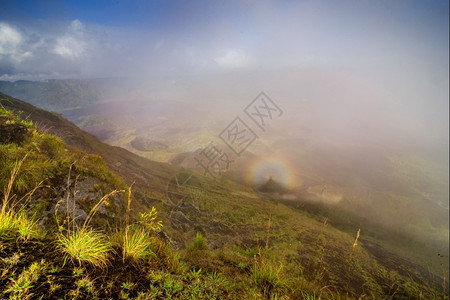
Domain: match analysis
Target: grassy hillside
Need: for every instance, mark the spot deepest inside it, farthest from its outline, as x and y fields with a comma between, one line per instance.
x=219, y=239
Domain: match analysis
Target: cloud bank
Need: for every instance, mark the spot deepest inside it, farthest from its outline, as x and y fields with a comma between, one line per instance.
x=389, y=57
x=200, y=37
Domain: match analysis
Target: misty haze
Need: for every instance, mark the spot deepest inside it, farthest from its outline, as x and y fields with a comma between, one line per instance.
x=225, y=150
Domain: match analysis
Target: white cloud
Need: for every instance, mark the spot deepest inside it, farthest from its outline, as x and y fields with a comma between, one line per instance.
x=72, y=44
x=69, y=47
x=11, y=42
x=10, y=39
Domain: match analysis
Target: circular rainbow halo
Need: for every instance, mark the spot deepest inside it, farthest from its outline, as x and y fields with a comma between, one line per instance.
x=270, y=166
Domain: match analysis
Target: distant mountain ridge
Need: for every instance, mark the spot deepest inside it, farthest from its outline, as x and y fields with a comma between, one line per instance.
x=58, y=94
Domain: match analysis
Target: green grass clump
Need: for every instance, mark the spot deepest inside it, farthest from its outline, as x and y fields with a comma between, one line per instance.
x=81, y=243
x=199, y=243
x=136, y=240
x=267, y=278
x=14, y=223
x=18, y=224
x=26, y=227
x=136, y=245
x=14, y=118
x=85, y=246
x=7, y=225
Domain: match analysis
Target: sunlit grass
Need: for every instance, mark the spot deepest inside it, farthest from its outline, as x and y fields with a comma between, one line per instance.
x=26, y=227
x=7, y=224
x=15, y=222
x=18, y=225
x=136, y=241
x=85, y=246
x=137, y=245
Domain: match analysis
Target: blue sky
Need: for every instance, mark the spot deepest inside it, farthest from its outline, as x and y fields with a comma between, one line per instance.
x=108, y=13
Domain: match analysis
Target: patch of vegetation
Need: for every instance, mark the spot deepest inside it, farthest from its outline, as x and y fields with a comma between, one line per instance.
x=20, y=286
x=85, y=246
x=267, y=278
x=14, y=222
x=199, y=243
x=48, y=158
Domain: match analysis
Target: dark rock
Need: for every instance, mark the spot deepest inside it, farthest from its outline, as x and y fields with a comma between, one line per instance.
x=12, y=132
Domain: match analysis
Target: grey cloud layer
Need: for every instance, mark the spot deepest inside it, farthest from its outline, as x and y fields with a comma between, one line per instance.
x=398, y=48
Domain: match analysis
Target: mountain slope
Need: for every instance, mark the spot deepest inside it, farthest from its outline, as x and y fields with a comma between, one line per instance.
x=144, y=172
x=245, y=230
